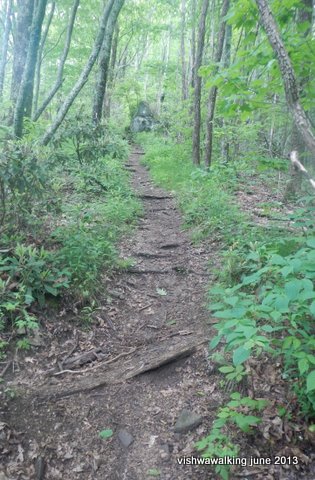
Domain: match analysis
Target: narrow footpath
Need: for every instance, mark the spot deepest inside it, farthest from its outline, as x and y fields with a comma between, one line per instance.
x=141, y=371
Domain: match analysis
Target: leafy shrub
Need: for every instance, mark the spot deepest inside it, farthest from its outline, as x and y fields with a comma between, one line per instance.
x=81, y=139
x=27, y=274
x=219, y=443
x=273, y=309
x=23, y=177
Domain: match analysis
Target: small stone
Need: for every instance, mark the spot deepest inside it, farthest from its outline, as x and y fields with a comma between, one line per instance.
x=165, y=452
x=125, y=438
x=187, y=421
x=37, y=339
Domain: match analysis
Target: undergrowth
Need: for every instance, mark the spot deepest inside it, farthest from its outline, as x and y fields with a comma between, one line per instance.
x=264, y=297
x=63, y=209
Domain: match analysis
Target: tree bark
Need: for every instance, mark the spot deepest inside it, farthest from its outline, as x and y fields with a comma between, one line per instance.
x=25, y=9
x=40, y=56
x=288, y=75
x=193, y=42
x=214, y=90
x=61, y=65
x=25, y=97
x=105, y=52
x=5, y=42
x=83, y=78
x=111, y=75
x=183, y=51
x=197, y=83
x=225, y=146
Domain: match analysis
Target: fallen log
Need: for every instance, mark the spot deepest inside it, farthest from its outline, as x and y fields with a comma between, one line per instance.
x=148, y=358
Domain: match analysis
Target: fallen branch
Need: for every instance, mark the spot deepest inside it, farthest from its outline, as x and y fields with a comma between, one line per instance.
x=112, y=360
x=147, y=358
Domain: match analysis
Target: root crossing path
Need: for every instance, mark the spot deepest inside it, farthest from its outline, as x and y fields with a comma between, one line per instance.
x=128, y=399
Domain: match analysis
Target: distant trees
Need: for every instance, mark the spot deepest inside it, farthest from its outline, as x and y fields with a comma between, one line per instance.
x=59, y=79
x=83, y=77
x=208, y=60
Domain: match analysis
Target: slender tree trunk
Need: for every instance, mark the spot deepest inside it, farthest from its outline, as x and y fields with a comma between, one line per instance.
x=83, y=78
x=111, y=75
x=183, y=51
x=25, y=97
x=61, y=65
x=213, y=21
x=40, y=56
x=214, y=90
x=102, y=74
x=197, y=83
x=288, y=75
x=163, y=71
x=5, y=42
x=193, y=43
x=225, y=146
x=25, y=10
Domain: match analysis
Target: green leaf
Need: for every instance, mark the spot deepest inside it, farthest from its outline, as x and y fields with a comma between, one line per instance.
x=282, y=303
x=215, y=341
x=235, y=396
x=231, y=313
x=240, y=355
x=267, y=328
x=53, y=291
x=226, y=369
x=292, y=289
x=106, y=434
x=312, y=308
x=303, y=365
x=161, y=292
x=311, y=242
x=154, y=472
x=310, y=382
x=246, y=421
x=232, y=301
x=277, y=260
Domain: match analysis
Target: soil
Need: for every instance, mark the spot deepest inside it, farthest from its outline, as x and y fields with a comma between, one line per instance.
x=141, y=364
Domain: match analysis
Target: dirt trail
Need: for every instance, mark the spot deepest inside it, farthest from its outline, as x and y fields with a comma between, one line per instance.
x=153, y=309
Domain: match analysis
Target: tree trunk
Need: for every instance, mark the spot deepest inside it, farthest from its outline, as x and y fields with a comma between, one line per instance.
x=288, y=75
x=183, y=51
x=193, y=43
x=61, y=64
x=5, y=42
x=102, y=74
x=25, y=97
x=214, y=90
x=225, y=146
x=111, y=75
x=197, y=83
x=163, y=71
x=83, y=78
x=25, y=10
x=40, y=56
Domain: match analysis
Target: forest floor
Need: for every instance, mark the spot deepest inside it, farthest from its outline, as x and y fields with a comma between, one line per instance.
x=137, y=372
